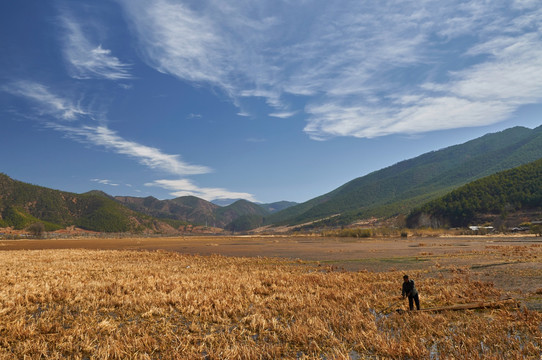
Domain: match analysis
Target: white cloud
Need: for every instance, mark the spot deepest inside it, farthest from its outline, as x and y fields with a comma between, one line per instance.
x=284, y=114
x=361, y=69
x=185, y=187
x=243, y=114
x=179, y=41
x=83, y=128
x=50, y=104
x=87, y=60
x=104, y=182
x=149, y=156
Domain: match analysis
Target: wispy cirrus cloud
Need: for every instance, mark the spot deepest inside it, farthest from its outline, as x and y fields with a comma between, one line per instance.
x=49, y=103
x=146, y=155
x=87, y=60
x=283, y=114
x=104, y=182
x=185, y=187
x=361, y=69
x=81, y=127
x=482, y=94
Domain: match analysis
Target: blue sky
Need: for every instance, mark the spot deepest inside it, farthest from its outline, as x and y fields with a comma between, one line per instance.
x=262, y=100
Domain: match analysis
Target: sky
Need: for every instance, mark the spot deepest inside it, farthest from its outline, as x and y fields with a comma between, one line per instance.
x=260, y=100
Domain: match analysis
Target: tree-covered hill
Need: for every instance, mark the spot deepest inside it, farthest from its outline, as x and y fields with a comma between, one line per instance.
x=22, y=204
x=504, y=193
x=401, y=187
x=239, y=208
x=193, y=209
x=187, y=208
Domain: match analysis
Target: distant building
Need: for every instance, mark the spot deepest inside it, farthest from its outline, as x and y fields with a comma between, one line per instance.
x=478, y=228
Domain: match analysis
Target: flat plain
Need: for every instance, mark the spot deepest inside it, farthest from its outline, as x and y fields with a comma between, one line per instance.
x=268, y=297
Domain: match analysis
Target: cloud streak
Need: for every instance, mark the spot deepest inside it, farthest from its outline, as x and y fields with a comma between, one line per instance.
x=49, y=103
x=362, y=69
x=146, y=155
x=87, y=60
x=65, y=116
x=104, y=182
x=80, y=126
x=185, y=187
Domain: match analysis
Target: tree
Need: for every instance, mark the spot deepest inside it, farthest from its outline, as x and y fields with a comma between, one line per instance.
x=36, y=229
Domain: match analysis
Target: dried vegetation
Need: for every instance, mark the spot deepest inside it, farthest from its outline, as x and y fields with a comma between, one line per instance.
x=87, y=304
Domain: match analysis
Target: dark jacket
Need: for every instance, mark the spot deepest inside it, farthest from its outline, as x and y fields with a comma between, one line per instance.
x=409, y=289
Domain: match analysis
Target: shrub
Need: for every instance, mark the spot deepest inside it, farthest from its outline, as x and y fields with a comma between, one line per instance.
x=36, y=229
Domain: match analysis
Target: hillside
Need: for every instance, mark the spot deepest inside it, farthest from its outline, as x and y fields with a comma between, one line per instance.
x=193, y=209
x=270, y=208
x=277, y=206
x=493, y=198
x=187, y=208
x=22, y=204
x=410, y=183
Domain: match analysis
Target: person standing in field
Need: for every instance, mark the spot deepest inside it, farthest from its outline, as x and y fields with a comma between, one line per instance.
x=409, y=290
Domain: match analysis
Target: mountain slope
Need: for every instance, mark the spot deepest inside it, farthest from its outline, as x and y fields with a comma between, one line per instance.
x=515, y=190
x=193, y=209
x=22, y=204
x=277, y=206
x=239, y=208
x=401, y=187
x=186, y=208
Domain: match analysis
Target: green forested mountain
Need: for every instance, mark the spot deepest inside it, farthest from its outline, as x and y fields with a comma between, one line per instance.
x=410, y=183
x=193, y=209
x=504, y=193
x=393, y=190
x=187, y=208
x=22, y=204
x=239, y=208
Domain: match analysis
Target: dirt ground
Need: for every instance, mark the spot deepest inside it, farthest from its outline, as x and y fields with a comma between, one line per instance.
x=512, y=263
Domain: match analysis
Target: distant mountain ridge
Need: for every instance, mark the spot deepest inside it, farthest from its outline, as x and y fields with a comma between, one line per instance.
x=22, y=204
x=271, y=207
x=187, y=208
x=199, y=211
x=397, y=189
x=410, y=183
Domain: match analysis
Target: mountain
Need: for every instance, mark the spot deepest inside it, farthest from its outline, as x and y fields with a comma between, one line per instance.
x=401, y=187
x=277, y=206
x=270, y=208
x=224, y=202
x=494, y=199
x=22, y=204
x=187, y=208
x=193, y=209
x=239, y=208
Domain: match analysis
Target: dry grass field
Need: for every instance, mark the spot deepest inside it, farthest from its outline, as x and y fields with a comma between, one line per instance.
x=133, y=304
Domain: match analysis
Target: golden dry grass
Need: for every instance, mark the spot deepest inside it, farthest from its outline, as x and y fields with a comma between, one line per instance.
x=88, y=304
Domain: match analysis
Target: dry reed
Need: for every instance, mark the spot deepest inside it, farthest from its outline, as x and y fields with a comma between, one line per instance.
x=86, y=304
